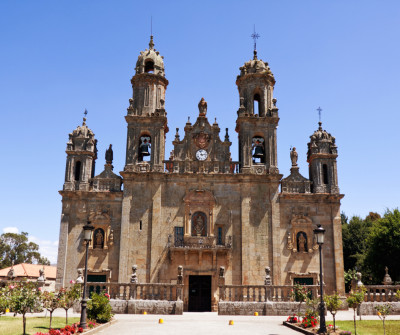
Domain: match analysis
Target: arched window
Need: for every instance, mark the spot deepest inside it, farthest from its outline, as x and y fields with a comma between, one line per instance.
x=302, y=242
x=325, y=174
x=98, y=239
x=257, y=104
x=145, y=148
x=258, y=150
x=149, y=66
x=78, y=166
x=199, y=224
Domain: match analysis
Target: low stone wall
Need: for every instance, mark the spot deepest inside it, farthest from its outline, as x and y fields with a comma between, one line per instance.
x=263, y=308
x=140, y=306
x=368, y=308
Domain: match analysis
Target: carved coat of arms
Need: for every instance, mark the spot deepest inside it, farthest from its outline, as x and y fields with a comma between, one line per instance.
x=201, y=140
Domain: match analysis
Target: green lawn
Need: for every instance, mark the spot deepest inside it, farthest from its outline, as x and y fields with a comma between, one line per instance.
x=10, y=325
x=367, y=327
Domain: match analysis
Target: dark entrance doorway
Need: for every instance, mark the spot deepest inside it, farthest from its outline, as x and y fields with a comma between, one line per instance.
x=199, y=294
x=96, y=279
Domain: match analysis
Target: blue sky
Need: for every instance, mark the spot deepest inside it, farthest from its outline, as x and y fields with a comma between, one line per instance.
x=59, y=57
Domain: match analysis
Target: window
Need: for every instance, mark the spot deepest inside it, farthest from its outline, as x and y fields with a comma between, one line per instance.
x=325, y=174
x=78, y=170
x=219, y=236
x=257, y=104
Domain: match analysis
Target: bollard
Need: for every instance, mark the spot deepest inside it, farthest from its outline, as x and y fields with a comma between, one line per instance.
x=231, y=322
x=160, y=320
x=255, y=313
x=144, y=312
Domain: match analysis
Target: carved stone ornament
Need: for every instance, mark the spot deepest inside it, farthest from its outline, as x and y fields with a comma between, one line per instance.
x=79, y=280
x=180, y=274
x=267, y=280
x=201, y=140
x=300, y=238
x=387, y=280
x=202, y=107
x=134, y=278
x=221, y=272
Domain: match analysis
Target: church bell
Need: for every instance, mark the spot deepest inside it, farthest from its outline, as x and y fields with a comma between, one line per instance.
x=258, y=152
x=144, y=149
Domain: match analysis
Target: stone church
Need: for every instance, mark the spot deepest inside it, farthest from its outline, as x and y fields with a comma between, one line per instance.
x=200, y=208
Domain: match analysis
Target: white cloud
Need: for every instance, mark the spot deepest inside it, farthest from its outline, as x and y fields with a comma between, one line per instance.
x=48, y=249
x=13, y=230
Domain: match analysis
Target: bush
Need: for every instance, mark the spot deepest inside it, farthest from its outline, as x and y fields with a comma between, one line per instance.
x=99, y=308
x=309, y=321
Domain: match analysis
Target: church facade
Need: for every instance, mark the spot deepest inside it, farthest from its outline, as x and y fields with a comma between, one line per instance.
x=199, y=208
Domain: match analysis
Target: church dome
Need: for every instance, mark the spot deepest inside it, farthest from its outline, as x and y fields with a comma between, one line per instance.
x=256, y=66
x=150, y=61
x=321, y=142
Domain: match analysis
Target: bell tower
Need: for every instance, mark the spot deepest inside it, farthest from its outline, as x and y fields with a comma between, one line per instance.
x=321, y=157
x=257, y=119
x=81, y=155
x=146, y=117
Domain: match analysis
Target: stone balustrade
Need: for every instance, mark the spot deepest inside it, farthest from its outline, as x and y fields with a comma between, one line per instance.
x=148, y=291
x=260, y=293
x=381, y=293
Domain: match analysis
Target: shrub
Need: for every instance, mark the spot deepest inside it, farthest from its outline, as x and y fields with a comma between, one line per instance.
x=333, y=303
x=99, y=308
x=292, y=318
x=309, y=321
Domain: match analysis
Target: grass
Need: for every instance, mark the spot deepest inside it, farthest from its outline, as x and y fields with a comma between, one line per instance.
x=10, y=325
x=371, y=327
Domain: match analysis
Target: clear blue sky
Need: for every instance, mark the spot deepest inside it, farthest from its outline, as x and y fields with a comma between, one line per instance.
x=59, y=57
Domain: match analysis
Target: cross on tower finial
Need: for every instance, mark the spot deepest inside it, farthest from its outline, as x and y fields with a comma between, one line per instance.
x=254, y=36
x=151, y=25
x=85, y=112
x=319, y=109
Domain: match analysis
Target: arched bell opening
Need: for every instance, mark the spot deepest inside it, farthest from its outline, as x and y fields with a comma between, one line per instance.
x=257, y=104
x=149, y=66
x=77, y=172
x=145, y=148
x=258, y=150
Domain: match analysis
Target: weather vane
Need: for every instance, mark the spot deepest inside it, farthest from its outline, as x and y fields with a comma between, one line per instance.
x=254, y=36
x=319, y=109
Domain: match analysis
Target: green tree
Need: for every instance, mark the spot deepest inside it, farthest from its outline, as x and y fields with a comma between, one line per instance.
x=99, y=308
x=354, y=300
x=24, y=297
x=333, y=304
x=384, y=246
x=51, y=302
x=383, y=312
x=16, y=249
x=299, y=294
x=68, y=297
x=4, y=299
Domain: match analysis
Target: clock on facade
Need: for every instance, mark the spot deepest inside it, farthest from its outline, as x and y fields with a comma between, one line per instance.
x=201, y=155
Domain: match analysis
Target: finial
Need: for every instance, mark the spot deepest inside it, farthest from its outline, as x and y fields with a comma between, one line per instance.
x=84, y=118
x=254, y=36
x=226, y=135
x=202, y=107
x=151, y=44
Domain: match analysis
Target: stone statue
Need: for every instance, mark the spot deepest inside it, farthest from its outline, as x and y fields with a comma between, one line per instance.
x=293, y=156
x=267, y=280
x=180, y=275
x=202, y=107
x=79, y=280
x=99, y=239
x=11, y=274
x=111, y=237
x=134, y=278
x=42, y=277
x=109, y=155
x=289, y=242
x=387, y=280
x=221, y=272
x=199, y=225
x=302, y=242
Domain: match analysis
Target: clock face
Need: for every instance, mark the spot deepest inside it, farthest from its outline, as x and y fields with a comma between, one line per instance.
x=201, y=155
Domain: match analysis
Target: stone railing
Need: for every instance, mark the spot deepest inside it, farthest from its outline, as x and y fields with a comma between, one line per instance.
x=200, y=242
x=159, y=291
x=381, y=293
x=261, y=293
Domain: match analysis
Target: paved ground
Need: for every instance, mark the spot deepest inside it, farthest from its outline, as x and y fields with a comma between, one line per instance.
x=203, y=323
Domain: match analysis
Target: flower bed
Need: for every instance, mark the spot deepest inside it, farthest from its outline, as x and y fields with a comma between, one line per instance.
x=69, y=330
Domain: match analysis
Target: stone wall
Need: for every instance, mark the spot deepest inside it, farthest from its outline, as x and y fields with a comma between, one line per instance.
x=263, y=308
x=368, y=308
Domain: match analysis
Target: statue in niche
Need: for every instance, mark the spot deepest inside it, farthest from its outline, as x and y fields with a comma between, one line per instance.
x=293, y=156
x=221, y=271
x=302, y=242
x=98, y=239
x=198, y=224
x=109, y=155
